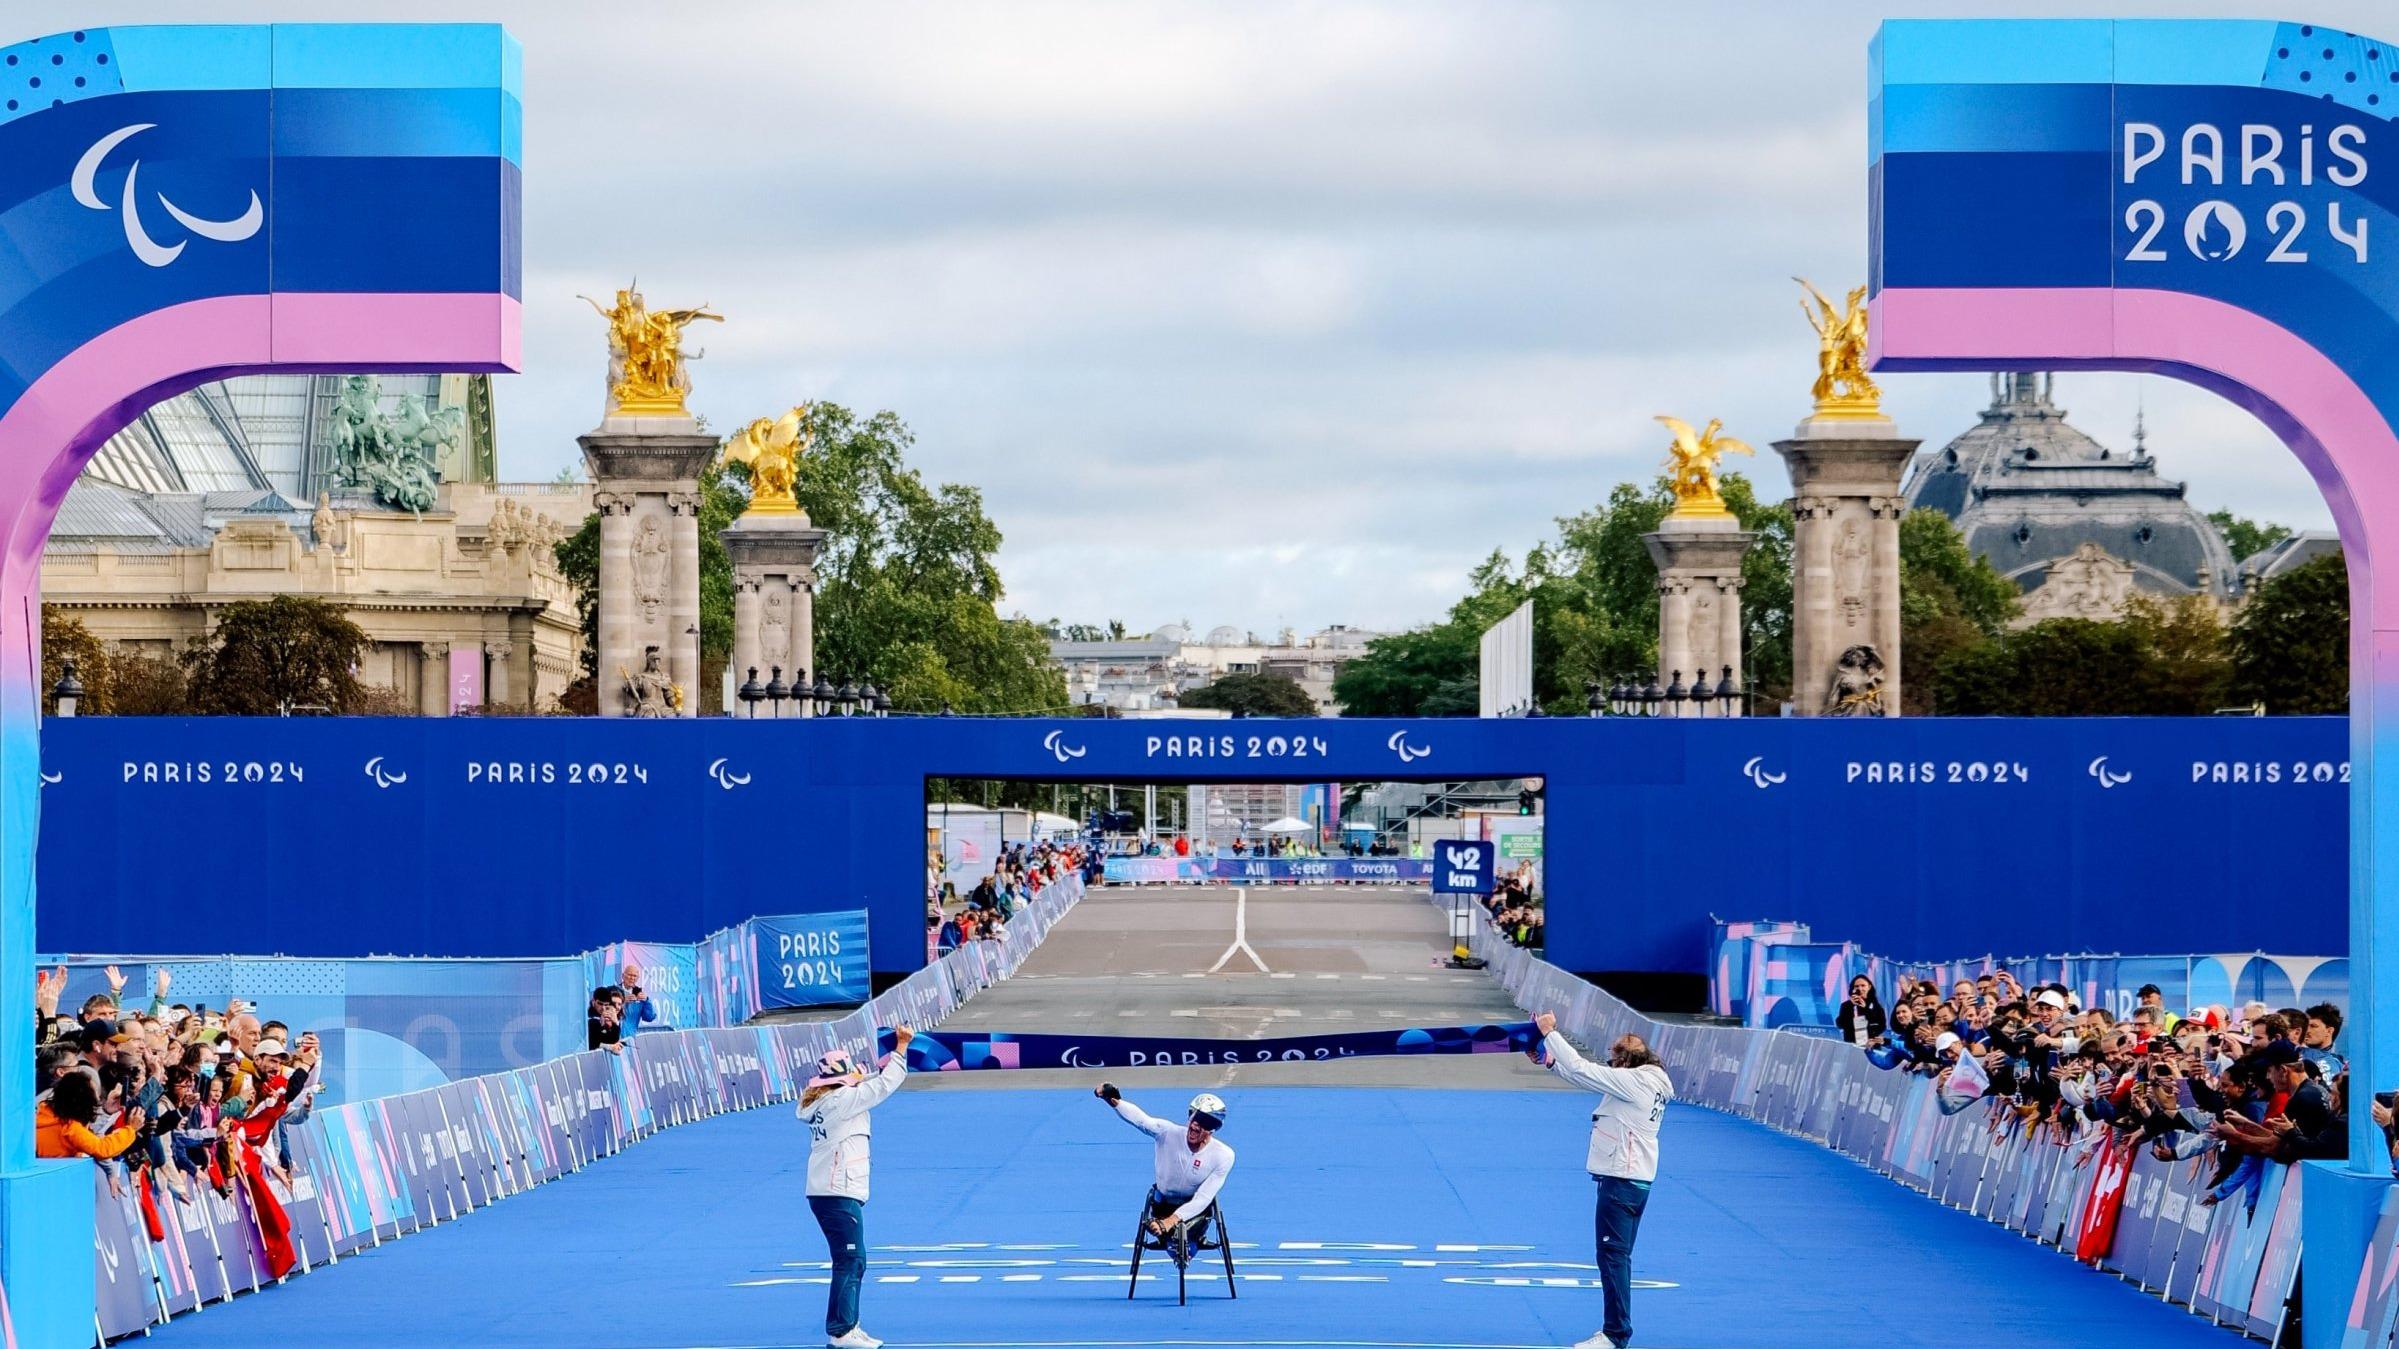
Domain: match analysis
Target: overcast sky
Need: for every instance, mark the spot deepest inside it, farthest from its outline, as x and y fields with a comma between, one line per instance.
x=1263, y=314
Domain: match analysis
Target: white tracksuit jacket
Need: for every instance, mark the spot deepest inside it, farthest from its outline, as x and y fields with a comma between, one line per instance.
x=839, y=1134
x=1193, y=1177
x=1632, y=1101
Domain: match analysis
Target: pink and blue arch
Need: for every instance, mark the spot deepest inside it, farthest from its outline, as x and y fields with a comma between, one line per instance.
x=2210, y=200
x=179, y=204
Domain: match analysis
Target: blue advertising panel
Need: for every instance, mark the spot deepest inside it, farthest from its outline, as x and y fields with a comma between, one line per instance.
x=811, y=960
x=1981, y=812
x=1463, y=867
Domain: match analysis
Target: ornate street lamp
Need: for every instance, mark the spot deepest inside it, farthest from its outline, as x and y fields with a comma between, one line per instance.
x=823, y=696
x=847, y=698
x=750, y=693
x=776, y=694
x=1728, y=694
x=1701, y=694
x=69, y=690
x=1653, y=698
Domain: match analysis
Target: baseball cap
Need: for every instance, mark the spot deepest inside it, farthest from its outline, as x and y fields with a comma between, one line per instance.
x=1944, y=1041
x=268, y=1047
x=2051, y=999
x=98, y=1030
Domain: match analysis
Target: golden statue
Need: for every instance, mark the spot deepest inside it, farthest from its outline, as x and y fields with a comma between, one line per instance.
x=646, y=374
x=1843, y=388
x=1693, y=458
x=772, y=449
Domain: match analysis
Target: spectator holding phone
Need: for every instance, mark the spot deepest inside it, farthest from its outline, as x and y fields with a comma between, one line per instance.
x=62, y=1125
x=1862, y=1017
x=637, y=1008
x=602, y=1021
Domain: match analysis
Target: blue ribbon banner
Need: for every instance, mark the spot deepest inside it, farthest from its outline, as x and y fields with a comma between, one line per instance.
x=950, y=1051
x=812, y=959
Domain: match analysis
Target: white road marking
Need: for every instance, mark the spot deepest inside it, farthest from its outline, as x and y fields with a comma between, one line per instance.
x=1240, y=936
x=1282, y=976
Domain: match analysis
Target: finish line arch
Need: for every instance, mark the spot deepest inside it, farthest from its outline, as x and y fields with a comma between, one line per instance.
x=2213, y=201
x=181, y=204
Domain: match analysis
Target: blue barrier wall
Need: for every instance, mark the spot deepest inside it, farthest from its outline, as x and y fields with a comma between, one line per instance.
x=498, y=837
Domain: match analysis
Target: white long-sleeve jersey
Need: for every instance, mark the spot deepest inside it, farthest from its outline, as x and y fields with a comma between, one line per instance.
x=1193, y=1177
x=1632, y=1102
x=839, y=1134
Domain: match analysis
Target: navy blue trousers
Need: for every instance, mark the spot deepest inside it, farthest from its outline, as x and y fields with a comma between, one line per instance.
x=1615, y=1222
x=844, y=1223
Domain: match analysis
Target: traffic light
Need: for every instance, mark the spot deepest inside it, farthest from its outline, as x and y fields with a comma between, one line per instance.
x=1525, y=799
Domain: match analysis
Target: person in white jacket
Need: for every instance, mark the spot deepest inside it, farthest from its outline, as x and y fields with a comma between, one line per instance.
x=1623, y=1159
x=834, y=1107
x=1192, y=1162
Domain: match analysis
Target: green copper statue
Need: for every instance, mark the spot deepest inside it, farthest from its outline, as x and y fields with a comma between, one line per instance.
x=396, y=456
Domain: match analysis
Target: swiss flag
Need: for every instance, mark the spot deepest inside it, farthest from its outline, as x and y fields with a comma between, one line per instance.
x=2098, y=1230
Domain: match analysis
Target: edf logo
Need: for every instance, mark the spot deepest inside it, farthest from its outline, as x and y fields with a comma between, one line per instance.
x=1462, y=867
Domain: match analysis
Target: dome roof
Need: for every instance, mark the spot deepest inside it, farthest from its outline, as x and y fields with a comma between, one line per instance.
x=1224, y=634
x=2027, y=489
x=1173, y=632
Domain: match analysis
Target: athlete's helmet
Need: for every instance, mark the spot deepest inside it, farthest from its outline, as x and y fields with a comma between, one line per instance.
x=1208, y=1110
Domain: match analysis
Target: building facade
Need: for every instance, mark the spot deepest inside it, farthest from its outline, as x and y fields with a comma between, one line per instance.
x=1149, y=674
x=2079, y=527
x=234, y=492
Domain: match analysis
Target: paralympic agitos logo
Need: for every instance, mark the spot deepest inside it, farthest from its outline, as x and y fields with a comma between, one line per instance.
x=2263, y=186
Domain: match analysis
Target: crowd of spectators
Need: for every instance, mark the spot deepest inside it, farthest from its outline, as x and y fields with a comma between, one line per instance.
x=1516, y=909
x=2248, y=1087
x=1018, y=875
x=171, y=1094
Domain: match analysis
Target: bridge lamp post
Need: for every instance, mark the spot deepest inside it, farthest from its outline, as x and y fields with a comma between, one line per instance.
x=750, y=694
x=69, y=690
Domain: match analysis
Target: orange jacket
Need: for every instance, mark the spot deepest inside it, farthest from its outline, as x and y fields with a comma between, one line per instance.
x=54, y=1136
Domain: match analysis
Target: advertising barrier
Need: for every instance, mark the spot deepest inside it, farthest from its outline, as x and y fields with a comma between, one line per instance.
x=1270, y=870
x=2121, y=1209
x=372, y=1171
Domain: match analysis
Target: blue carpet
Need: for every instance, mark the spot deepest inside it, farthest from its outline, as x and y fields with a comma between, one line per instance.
x=1381, y=1218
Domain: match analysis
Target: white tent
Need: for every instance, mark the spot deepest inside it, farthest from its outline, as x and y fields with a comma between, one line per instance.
x=1289, y=825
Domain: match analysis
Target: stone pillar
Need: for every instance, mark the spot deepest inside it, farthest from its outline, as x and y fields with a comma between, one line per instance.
x=433, y=678
x=496, y=692
x=774, y=598
x=1845, y=509
x=1699, y=598
x=646, y=474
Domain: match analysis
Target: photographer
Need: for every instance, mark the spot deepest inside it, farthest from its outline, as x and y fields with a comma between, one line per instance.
x=636, y=1008
x=1862, y=1018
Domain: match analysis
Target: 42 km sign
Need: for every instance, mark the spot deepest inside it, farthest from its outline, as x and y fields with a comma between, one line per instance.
x=1462, y=867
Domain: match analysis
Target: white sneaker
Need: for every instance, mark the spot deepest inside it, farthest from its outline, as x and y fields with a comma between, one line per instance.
x=856, y=1338
x=1599, y=1340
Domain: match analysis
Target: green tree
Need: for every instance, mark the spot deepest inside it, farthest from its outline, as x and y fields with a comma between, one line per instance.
x=2290, y=645
x=2245, y=537
x=1253, y=695
x=2164, y=658
x=147, y=686
x=1951, y=601
x=64, y=636
x=1595, y=612
x=270, y=657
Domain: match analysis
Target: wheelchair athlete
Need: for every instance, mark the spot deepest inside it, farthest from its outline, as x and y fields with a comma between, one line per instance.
x=1191, y=1168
